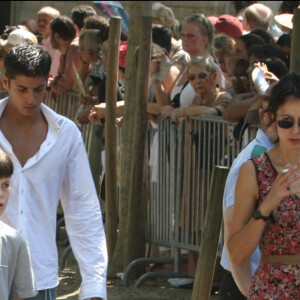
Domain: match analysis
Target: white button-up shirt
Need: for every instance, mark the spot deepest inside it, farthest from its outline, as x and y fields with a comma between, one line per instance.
x=59, y=170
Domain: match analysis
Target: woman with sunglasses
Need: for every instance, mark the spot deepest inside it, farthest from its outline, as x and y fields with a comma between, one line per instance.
x=267, y=207
x=197, y=37
x=201, y=74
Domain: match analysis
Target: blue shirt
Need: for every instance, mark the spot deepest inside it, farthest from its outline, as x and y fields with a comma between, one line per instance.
x=260, y=144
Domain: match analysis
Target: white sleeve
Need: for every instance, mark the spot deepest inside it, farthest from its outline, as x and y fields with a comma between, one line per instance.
x=84, y=222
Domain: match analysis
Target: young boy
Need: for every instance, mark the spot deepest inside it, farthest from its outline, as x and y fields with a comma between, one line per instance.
x=16, y=275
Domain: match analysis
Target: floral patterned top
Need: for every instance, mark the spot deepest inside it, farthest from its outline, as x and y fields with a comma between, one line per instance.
x=281, y=236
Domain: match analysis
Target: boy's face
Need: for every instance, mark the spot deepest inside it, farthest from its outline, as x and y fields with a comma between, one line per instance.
x=25, y=94
x=4, y=192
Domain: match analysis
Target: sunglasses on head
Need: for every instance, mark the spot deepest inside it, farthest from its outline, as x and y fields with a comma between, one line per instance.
x=286, y=124
x=200, y=76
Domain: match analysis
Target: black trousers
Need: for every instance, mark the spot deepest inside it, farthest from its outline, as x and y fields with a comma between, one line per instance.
x=229, y=289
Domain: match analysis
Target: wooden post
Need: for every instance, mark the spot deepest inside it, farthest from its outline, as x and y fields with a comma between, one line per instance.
x=137, y=209
x=295, y=51
x=210, y=236
x=117, y=263
x=111, y=135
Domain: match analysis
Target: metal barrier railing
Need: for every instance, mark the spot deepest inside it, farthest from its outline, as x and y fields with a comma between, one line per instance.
x=178, y=198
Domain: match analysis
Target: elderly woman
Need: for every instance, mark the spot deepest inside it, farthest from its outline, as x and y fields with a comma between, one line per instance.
x=197, y=37
x=202, y=73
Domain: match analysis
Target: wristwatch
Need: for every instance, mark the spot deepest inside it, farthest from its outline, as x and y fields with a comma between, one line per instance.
x=257, y=215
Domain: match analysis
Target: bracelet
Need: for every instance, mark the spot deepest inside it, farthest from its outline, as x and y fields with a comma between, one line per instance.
x=219, y=112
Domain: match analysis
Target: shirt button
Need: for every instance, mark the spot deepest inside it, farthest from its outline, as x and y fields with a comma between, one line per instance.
x=21, y=211
x=21, y=231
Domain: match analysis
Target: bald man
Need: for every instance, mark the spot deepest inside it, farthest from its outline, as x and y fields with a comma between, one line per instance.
x=44, y=17
x=257, y=15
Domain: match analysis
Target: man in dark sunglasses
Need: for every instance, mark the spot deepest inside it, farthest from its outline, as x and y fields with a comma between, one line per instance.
x=236, y=280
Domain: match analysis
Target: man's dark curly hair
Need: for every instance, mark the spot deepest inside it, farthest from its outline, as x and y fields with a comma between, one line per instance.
x=27, y=59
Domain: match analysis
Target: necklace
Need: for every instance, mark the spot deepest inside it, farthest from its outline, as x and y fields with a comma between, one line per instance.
x=205, y=100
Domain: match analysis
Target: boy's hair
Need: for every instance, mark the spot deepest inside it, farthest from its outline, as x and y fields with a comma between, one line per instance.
x=90, y=39
x=80, y=12
x=6, y=165
x=97, y=22
x=30, y=60
x=162, y=36
x=64, y=26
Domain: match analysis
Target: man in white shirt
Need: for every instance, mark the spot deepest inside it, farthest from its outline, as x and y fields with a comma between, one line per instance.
x=45, y=15
x=236, y=281
x=50, y=163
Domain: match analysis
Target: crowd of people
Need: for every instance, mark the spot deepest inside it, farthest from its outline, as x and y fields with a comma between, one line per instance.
x=232, y=66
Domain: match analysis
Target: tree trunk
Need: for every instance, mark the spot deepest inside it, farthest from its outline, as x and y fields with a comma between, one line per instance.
x=137, y=205
x=295, y=58
x=111, y=135
x=117, y=262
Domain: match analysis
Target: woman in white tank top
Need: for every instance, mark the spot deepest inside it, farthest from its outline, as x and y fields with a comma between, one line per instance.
x=197, y=38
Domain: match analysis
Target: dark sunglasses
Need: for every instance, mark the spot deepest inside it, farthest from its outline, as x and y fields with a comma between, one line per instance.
x=200, y=76
x=286, y=124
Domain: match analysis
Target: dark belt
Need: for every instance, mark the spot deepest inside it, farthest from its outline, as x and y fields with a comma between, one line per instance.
x=280, y=259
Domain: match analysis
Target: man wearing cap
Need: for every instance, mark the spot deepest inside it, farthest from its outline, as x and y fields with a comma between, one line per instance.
x=228, y=25
x=18, y=36
x=45, y=15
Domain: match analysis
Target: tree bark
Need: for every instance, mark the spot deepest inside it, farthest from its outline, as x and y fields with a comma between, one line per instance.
x=137, y=205
x=295, y=58
x=117, y=262
x=111, y=135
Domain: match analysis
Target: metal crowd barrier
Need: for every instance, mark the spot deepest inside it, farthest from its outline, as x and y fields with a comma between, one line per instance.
x=179, y=195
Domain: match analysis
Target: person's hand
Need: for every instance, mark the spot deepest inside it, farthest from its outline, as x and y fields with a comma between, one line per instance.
x=154, y=66
x=270, y=77
x=166, y=111
x=88, y=99
x=177, y=114
x=119, y=122
x=284, y=186
x=82, y=117
x=96, y=113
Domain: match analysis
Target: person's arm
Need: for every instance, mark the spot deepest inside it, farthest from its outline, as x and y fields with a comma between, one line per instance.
x=242, y=274
x=238, y=109
x=98, y=111
x=162, y=89
x=66, y=80
x=246, y=231
x=23, y=284
x=195, y=110
x=84, y=221
x=153, y=108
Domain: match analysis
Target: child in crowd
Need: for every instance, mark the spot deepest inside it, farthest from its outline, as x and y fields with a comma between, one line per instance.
x=16, y=275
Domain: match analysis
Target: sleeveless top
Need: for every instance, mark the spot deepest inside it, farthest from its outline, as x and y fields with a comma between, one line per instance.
x=187, y=93
x=281, y=236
